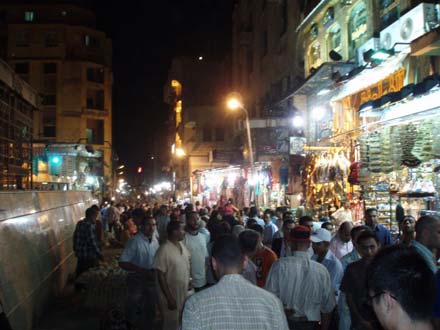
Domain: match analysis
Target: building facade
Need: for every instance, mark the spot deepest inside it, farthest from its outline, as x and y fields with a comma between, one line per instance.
x=58, y=50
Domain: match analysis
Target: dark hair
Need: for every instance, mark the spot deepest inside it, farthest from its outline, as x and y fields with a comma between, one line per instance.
x=138, y=213
x=145, y=220
x=251, y=222
x=369, y=210
x=256, y=227
x=248, y=240
x=91, y=211
x=172, y=227
x=253, y=211
x=287, y=216
x=95, y=207
x=288, y=222
x=426, y=222
x=357, y=229
x=326, y=224
x=304, y=219
x=226, y=251
x=367, y=234
x=404, y=273
x=270, y=212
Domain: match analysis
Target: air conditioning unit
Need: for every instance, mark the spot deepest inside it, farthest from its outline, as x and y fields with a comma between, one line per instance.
x=372, y=43
x=410, y=26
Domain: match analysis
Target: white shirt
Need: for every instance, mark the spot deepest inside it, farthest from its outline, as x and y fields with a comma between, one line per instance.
x=269, y=231
x=303, y=285
x=140, y=251
x=342, y=215
x=340, y=248
x=249, y=272
x=196, y=244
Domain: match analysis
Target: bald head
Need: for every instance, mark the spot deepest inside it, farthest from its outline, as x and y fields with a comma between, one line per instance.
x=345, y=230
x=428, y=231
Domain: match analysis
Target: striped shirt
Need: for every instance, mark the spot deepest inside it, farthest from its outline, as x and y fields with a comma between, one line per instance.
x=303, y=285
x=234, y=304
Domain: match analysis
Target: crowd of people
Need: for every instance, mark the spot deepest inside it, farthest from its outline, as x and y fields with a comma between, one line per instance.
x=225, y=268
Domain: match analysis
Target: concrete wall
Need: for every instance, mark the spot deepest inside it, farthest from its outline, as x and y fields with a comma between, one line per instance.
x=36, y=255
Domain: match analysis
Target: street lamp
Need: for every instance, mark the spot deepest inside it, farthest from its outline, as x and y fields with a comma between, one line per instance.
x=234, y=103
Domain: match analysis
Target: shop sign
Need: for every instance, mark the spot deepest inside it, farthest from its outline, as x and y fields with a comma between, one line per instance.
x=392, y=83
x=297, y=145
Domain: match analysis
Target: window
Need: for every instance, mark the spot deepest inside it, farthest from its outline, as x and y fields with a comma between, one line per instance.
x=95, y=99
x=389, y=11
x=49, y=100
x=357, y=26
x=264, y=41
x=50, y=68
x=22, y=39
x=315, y=55
x=22, y=68
x=95, y=75
x=50, y=39
x=91, y=41
x=49, y=124
x=95, y=131
x=207, y=134
x=334, y=39
x=219, y=134
x=29, y=16
x=329, y=17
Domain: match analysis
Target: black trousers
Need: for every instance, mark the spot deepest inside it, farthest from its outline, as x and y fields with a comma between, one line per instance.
x=84, y=265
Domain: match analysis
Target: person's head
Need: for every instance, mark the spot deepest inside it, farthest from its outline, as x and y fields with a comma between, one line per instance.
x=197, y=203
x=428, y=231
x=367, y=244
x=346, y=205
x=192, y=221
x=288, y=216
x=138, y=215
x=237, y=230
x=175, y=231
x=279, y=211
x=328, y=226
x=354, y=233
x=248, y=240
x=306, y=221
x=268, y=215
x=257, y=228
x=163, y=209
x=92, y=214
x=401, y=287
x=246, y=211
x=251, y=222
x=148, y=226
x=253, y=212
x=227, y=257
x=371, y=217
x=344, y=231
x=288, y=225
x=321, y=241
x=408, y=224
x=300, y=238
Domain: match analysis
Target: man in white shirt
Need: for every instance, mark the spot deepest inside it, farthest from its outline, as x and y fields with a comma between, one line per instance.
x=341, y=244
x=303, y=285
x=137, y=259
x=343, y=214
x=195, y=242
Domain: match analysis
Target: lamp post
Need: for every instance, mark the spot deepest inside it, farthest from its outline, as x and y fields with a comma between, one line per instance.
x=234, y=103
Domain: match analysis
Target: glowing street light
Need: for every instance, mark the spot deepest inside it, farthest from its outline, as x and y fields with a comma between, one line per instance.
x=234, y=104
x=298, y=121
x=180, y=152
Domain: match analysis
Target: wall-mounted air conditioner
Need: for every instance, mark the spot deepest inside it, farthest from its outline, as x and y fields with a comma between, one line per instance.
x=410, y=26
x=372, y=43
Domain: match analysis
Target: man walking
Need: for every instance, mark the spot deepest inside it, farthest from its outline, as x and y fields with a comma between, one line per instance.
x=341, y=243
x=427, y=239
x=195, y=242
x=303, y=285
x=172, y=265
x=382, y=233
x=85, y=243
x=233, y=303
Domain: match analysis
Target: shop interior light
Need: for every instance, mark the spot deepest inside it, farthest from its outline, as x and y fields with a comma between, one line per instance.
x=318, y=113
x=180, y=152
x=298, y=121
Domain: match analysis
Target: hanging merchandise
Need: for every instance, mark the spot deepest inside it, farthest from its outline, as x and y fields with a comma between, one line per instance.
x=353, y=177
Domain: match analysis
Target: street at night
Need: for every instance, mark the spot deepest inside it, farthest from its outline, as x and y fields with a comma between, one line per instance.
x=220, y=165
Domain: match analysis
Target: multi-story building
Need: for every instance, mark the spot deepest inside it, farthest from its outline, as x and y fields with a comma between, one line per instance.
x=200, y=124
x=18, y=105
x=58, y=50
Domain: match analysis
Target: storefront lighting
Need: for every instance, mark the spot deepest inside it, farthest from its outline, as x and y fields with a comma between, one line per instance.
x=173, y=149
x=298, y=121
x=90, y=180
x=180, y=152
x=318, y=113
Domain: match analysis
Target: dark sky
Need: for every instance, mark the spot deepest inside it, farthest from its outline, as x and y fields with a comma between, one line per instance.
x=146, y=35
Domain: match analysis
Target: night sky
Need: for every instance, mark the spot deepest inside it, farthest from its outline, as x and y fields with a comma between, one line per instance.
x=146, y=35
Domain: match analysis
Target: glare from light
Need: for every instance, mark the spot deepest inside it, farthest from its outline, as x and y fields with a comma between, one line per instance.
x=55, y=159
x=380, y=56
x=234, y=104
x=323, y=92
x=90, y=180
x=298, y=122
x=138, y=196
x=180, y=152
x=113, y=199
x=173, y=149
x=121, y=167
x=318, y=113
x=200, y=58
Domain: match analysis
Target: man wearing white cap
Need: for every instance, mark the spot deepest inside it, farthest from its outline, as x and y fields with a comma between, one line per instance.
x=321, y=247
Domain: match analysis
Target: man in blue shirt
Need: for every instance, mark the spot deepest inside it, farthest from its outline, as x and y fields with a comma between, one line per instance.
x=382, y=233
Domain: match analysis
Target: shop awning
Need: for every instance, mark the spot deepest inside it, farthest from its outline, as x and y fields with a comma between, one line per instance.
x=369, y=77
x=322, y=78
x=427, y=45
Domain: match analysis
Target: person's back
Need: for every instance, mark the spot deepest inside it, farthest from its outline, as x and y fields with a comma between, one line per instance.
x=239, y=305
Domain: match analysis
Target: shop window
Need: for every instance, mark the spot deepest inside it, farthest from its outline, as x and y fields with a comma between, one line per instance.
x=334, y=39
x=50, y=68
x=29, y=16
x=357, y=27
x=95, y=75
x=50, y=39
x=22, y=39
x=22, y=68
x=95, y=99
x=315, y=55
x=207, y=134
x=219, y=134
x=389, y=12
x=95, y=131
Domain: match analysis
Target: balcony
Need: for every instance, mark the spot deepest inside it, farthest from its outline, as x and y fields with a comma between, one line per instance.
x=95, y=112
